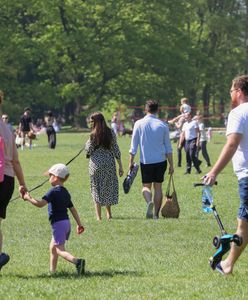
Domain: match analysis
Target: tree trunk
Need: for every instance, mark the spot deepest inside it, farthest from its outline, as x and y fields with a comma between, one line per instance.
x=205, y=98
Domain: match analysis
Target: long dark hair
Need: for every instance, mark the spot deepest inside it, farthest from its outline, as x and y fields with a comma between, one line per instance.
x=101, y=133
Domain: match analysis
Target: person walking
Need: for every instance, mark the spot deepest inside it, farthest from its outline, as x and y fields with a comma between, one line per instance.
x=151, y=136
x=102, y=150
x=236, y=148
x=191, y=134
x=26, y=126
x=59, y=201
x=203, y=140
x=50, y=131
x=5, y=119
x=9, y=168
x=114, y=125
x=178, y=123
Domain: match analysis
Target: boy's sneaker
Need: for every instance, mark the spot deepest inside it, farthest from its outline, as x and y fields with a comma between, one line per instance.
x=4, y=258
x=149, y=211
x=80, y=266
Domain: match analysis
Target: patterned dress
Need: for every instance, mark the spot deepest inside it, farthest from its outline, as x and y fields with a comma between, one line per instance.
x=102, y=170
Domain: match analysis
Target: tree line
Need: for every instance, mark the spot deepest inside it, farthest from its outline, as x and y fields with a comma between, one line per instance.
x=76, y=56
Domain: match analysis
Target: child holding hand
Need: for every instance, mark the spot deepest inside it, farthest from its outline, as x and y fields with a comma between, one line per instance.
x=59, y=200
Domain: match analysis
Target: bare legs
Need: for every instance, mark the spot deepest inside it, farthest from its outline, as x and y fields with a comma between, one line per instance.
x=157, y=198
x=228, y=264
x=23, y=137
x=99, y=211
x=55, y=252
x=108, y=212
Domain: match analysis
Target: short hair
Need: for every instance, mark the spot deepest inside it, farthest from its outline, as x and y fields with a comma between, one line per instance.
x=241, y=82
x=152, y=106
x=184, y=100
x=27, y=109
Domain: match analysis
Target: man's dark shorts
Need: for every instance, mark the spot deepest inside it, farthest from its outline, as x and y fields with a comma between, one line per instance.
x=6, y=192
x=243, y=194
x=153, y=172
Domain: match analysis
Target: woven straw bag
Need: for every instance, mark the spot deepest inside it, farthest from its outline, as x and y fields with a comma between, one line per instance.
x=170, y=207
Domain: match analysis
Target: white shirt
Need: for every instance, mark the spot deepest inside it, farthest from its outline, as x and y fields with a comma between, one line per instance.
x=203, y=136
x=189, y=128
x=186, y=108
x=238, y=123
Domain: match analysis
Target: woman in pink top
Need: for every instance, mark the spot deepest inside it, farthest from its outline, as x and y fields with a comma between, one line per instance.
x=11, y=167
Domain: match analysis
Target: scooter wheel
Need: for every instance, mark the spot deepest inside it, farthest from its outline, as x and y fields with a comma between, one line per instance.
x=237, y=239
x=211, y=263
x=216, y=242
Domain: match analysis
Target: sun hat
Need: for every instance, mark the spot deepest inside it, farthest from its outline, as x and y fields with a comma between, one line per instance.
x=59, y=170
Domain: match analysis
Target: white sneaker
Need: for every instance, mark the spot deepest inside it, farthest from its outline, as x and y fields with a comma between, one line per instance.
x=149, y=211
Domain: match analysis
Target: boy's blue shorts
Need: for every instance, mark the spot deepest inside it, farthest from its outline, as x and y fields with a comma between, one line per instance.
x=243, y=194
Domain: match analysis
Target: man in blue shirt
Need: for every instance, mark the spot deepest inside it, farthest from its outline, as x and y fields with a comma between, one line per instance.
x=151, y=135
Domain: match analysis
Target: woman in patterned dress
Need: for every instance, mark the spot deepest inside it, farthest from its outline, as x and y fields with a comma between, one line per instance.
x=102, y=150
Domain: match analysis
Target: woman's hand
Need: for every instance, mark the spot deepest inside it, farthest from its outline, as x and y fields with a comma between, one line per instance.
x=121, y=172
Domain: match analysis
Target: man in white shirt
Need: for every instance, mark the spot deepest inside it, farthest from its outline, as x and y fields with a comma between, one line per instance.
x=151, y=135
x=190, y=133
x=236, y=148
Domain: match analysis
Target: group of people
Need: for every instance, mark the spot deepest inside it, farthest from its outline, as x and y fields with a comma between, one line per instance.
x=26, y=129
x=193, y=137
x=151, y=137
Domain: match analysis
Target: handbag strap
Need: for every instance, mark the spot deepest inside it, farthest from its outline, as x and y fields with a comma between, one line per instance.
x=170, y=183
x=173, y=185
x=168, y=186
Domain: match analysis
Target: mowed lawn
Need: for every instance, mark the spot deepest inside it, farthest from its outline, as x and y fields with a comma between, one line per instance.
x=128, y=257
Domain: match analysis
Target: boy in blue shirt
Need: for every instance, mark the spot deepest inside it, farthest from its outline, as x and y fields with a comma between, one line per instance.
x=59, y=200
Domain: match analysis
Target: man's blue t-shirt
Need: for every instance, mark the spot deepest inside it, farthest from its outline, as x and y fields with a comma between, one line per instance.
x=59, y=200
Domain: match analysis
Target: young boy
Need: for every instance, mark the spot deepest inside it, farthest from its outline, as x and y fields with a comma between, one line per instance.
x=185, y=107
x=59, y=200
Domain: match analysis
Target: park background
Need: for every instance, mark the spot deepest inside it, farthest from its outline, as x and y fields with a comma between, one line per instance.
x=128, y=257
x=75, y=56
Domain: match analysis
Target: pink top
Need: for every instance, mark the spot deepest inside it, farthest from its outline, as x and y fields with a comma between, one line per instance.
x=10, y=151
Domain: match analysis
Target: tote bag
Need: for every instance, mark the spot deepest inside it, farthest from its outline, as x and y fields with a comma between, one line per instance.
x=170, y=206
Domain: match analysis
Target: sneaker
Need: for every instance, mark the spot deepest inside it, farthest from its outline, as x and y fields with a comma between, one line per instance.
x=187, y=172
x=80, y=266
x=149, y=211
x=198, y=171
x=4, y=258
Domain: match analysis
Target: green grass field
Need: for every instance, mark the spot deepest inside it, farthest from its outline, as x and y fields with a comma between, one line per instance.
x=128, y=257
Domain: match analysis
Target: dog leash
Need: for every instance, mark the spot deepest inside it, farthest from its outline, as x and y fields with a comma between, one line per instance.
x=41, y=184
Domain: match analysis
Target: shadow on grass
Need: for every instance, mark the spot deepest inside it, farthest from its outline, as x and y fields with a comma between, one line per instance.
x=68, y=275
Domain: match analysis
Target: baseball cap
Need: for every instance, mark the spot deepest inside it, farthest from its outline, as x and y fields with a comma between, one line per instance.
x=59, y=170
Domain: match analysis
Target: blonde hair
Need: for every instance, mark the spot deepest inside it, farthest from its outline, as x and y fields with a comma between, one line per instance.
x=184, y=100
